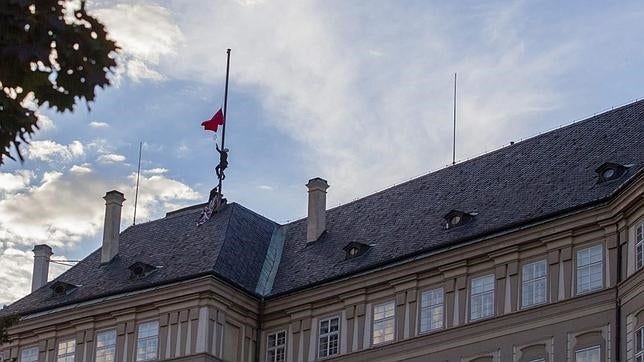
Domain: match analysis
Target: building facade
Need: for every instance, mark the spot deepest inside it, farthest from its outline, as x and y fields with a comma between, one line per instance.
x=533, y=252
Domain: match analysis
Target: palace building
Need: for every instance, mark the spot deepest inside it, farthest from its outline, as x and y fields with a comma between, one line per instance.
x=533, y=252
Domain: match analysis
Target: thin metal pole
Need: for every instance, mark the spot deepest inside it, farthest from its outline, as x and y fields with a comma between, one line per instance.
x=454, y=136
x=223, y=131
x=138, y=174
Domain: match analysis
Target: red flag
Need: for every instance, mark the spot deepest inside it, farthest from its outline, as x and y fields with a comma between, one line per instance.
x=213, y=123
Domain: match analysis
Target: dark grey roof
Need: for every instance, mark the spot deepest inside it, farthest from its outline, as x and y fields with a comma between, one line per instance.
x=231, y=245
x=530, y=180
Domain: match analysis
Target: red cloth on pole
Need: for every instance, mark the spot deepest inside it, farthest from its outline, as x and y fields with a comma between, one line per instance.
x=213, y=123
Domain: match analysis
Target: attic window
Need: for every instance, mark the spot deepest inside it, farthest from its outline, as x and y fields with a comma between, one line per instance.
x=456, y=218
x=355, y=249
x=610, y=171
x=62, y=288
x=140, y=270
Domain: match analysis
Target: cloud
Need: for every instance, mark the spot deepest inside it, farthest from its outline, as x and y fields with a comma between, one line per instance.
x=96, y=124
x=265, y=187
x=110, y=158
x=80, y=169
x=48, y=150
x=16, y=181
x=156, y=171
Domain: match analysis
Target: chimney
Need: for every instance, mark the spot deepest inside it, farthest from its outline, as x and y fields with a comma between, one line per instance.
x=113, y=204
x=42, y=253
x=317, y=209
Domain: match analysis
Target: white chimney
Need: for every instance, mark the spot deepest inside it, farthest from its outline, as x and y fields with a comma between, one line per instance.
x=113, y=205
x=42, y=253
x=317, y=209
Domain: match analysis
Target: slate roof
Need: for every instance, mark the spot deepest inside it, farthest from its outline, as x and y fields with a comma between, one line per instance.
x=534, y=179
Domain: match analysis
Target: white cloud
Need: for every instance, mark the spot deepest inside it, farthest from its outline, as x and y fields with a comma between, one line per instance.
x=16, y=181
x=97, y=124
x=156, y=171
x=84, y=168
x=110, y=158
x=265, y=187
x=48, y=150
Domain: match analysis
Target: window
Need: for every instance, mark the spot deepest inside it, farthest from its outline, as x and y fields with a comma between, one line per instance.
x=66, y=350
x=482, y=297
x=592, y=354
x=384, y=322
x=329, y=337
x=276, y=347
x=29, y=354
x=106, y=346
x=639, y=345
x=639, y=244
x=431, y=310
x=589, y=269
x=147, y=341
x=534, y=281
x=538, y=360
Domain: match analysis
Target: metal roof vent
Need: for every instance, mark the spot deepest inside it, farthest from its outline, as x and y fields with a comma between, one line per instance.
x=355, y=249
x=610, y=171
x=457, y=218
x=140, y=270
x=62, y=288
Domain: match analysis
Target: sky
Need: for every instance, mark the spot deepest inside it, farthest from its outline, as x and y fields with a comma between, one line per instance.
x=357, y=92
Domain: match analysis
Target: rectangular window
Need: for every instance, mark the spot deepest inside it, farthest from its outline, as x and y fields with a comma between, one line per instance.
x=431, y=310
x=329, y=337
x=534, y=282
x=66, y=350
x=482, y=297
x=384, y=322
x=276, y=347
x=29, y=354
x=590, y=275
x=639, y=345
x=106, y=346
x=147, y=341
x=592, y=354
x=639, y=245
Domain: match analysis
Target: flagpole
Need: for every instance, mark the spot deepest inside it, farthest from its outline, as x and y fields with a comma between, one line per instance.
x=223, y=131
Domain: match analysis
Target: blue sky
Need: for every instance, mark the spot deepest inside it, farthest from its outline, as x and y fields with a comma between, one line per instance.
x=357, y=92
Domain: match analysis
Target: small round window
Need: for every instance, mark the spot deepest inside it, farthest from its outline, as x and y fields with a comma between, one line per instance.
x=455, y=220
x=353, y=251
x=608, y=173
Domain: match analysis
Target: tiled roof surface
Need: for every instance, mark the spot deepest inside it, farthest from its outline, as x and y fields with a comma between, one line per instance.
x=533, y=179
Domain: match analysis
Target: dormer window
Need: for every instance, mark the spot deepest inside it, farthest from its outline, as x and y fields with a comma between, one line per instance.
x=456, y=218
x=610, y=171
x=355, y=249
x=60, y=288
x=140, y=270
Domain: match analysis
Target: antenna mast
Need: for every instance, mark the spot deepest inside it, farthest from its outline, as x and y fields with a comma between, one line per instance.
x=454, y=137
x=138, y=174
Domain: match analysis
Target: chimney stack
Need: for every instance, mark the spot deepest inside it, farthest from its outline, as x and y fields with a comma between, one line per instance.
x=113, y=205
x=317, y=208
x=42, y=253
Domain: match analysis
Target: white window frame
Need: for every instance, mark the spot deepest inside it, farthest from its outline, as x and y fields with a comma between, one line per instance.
x=277, y=347
x=639, y=345
x=587, y=268
x=533, y=283
x=327, y=336
x=66, y=356
x=388, y=319
x=29, y=348
x=146, y=339
x=482, y=294
x=105, y=347
x=588, y=349
x=639, y=246
x=538, y=360
x=436, y=304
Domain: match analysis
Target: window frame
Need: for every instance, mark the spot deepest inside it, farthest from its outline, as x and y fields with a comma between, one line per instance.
x=586, y=349
x=430, y=308
x=33, y=347
x=472, y=295
x=589, y=265
x=384, y=319
x=639, y=348
x=329, y=334
x=138, y=339
x=276, y=347
x=639, y=246
x=61, y=340
x=96, y=348
x=523, y=283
